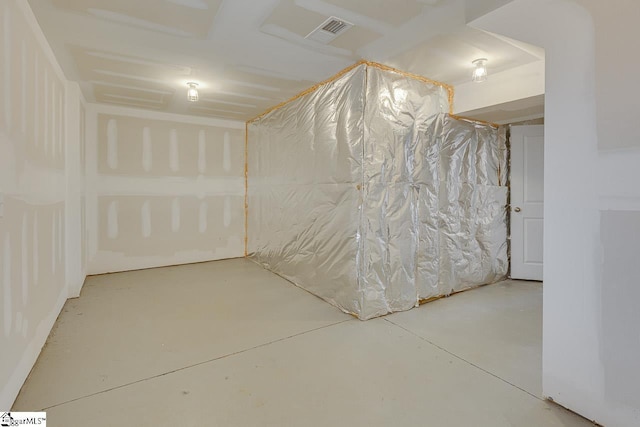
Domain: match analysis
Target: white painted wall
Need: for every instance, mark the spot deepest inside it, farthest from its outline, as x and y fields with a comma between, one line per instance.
x=164, y=189
x=591, y=348
x=517, y=83
x=39, y=143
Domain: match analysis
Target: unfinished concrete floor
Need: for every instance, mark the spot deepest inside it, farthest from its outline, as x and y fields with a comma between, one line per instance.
x=227, y=343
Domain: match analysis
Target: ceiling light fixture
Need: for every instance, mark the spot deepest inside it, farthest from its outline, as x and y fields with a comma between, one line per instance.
x=192, y=92
x=480, y=72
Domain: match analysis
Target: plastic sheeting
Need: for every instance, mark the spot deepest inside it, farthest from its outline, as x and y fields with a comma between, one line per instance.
x=365, y=193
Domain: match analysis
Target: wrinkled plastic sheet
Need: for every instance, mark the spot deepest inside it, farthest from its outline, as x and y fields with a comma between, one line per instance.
x=365, y=193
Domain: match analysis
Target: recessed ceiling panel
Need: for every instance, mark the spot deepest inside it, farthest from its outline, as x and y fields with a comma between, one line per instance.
x=355, y=38
x=392, y=12
x=128, y=101
x=95, y=65
x=266, y=81
x=294, y=18
x=177, y=17
x=110, y=93
x=448, y=57
x=300, y=21
x=126, y=80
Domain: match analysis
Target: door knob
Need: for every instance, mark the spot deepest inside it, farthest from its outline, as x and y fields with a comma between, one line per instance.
x=517, y=209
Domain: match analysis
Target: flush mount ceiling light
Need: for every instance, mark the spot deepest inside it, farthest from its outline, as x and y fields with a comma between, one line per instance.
x=480, y=72
x=192, y=92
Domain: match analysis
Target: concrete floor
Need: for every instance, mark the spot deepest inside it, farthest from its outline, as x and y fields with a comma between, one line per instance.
x=227, y=343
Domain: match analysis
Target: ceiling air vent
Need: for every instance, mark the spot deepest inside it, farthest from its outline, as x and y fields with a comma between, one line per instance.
x=329, y=30
x=334, y=26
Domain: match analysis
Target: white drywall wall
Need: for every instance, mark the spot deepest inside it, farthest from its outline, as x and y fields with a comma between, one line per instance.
x=591, y=343
x=517, y=83
x=164, y=189
x=39, y=143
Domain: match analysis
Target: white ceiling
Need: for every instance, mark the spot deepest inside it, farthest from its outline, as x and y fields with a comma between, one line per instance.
x=248, y=55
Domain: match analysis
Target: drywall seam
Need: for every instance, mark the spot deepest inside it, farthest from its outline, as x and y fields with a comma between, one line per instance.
x=202, y=151
x=174, y=153
x=226, y=152
x=117, y=110
x=91, y=182
x=197, y=195
x=246, y=189
x=110, y=185
x=147, y=150
x=73, y=200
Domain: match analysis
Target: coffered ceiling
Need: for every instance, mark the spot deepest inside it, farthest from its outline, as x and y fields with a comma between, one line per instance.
x=247, y=55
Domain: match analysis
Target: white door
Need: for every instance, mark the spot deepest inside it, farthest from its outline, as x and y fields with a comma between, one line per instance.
x=527, y=201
